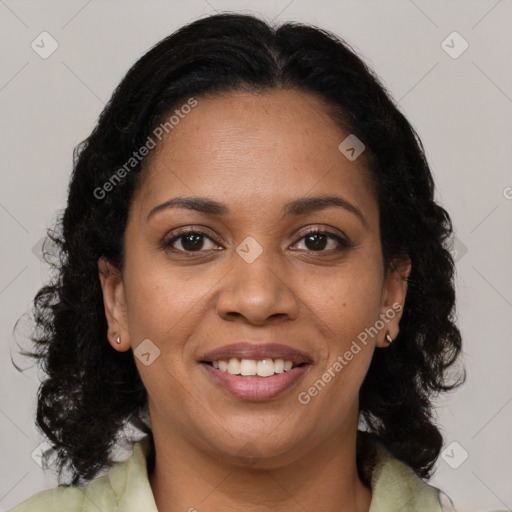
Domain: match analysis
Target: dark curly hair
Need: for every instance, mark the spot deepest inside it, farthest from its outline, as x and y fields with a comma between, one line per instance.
x=90, y=391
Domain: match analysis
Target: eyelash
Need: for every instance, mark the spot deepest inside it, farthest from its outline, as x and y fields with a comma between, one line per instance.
x=167, y=244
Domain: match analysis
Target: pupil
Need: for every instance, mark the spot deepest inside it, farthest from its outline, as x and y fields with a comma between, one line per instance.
x=316, y=245
x=196, y=242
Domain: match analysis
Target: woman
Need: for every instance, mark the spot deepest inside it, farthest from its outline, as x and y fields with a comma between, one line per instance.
x=252, y=267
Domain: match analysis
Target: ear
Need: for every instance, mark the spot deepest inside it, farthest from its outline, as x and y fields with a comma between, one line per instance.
x=393, y=298
x=115, y=304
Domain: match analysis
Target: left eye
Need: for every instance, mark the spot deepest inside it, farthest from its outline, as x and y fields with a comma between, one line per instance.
x=318, y=240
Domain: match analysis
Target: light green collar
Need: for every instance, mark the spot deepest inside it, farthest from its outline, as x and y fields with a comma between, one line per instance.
x=395, y=486
x=126, y=487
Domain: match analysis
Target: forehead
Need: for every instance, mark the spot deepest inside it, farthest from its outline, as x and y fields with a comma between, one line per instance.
x=242, y=146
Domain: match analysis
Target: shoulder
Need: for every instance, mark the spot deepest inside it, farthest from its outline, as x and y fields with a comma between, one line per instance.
x=395, y=485
x=96, y=495
x=125, y=487
x=69, y=499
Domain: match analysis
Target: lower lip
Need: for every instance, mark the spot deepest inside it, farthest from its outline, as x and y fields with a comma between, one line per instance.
x=257, y=388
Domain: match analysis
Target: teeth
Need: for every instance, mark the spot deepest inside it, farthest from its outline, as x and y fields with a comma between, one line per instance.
x=265, y=368
x=234, y=367
x=248, y=367
x=261, y=368
x=279, y=366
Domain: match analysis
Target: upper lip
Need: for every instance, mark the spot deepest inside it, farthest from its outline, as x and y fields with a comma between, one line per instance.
x=257, y=351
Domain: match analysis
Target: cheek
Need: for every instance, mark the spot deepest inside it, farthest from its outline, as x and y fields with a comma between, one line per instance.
x=166, y=305
x=348, y=299
x=160, y=299
x=163, y=307
x=345, y=308
x=347, y=305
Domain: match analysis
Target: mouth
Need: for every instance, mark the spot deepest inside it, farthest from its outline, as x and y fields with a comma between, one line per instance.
x=256, y=372
x=262, y=368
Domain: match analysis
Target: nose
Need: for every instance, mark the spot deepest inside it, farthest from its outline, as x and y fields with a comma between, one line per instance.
x=256, y=292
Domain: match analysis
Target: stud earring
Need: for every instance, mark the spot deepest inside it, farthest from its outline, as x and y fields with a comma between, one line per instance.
x=389, y=339
x=118, y=340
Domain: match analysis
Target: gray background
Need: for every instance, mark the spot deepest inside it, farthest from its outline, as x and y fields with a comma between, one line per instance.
x=461, y=108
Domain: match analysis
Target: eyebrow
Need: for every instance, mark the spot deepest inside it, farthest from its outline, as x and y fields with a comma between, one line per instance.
x=300, y=206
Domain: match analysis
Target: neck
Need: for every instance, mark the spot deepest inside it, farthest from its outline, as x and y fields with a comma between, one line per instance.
x=324, y=478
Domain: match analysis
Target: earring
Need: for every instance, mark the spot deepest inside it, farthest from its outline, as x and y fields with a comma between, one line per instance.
x=118, y=340
x=389, y=339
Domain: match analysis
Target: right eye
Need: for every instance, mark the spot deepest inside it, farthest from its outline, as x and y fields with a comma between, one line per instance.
x=191, y=240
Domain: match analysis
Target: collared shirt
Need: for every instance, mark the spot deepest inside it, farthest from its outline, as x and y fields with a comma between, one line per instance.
x=126, y=488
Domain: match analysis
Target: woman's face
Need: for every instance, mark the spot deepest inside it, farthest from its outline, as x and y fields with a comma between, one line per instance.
x=254, y=276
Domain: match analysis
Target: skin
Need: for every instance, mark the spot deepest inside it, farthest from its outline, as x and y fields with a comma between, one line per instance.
x=254, y=153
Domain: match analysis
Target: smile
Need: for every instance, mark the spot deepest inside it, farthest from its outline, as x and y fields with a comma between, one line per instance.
x=262, y=368
x=256, y=380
